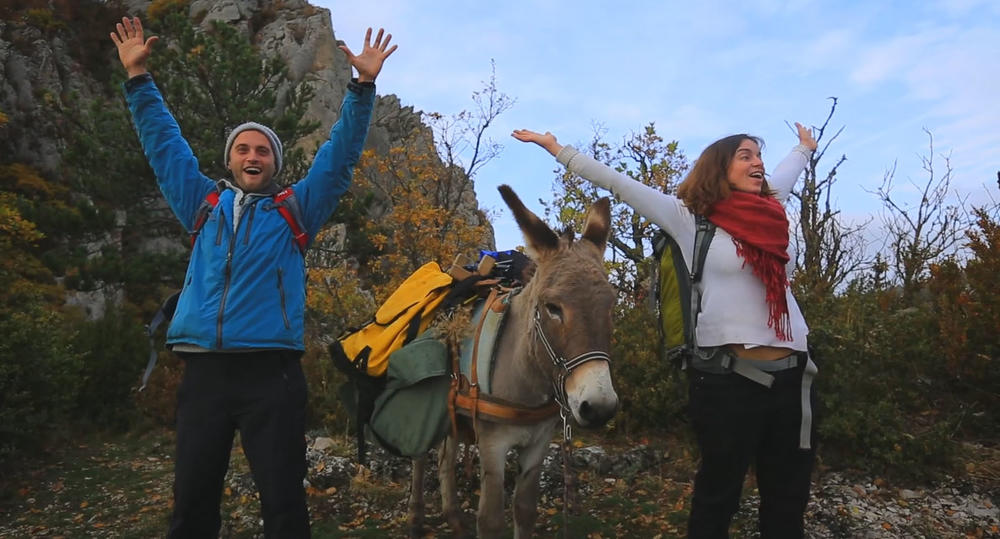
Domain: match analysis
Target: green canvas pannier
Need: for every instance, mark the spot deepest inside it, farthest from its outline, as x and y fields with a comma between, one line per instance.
x=411, y=414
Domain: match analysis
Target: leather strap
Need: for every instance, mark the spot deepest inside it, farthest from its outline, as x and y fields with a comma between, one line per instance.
x=465, y=397
x=500, y=411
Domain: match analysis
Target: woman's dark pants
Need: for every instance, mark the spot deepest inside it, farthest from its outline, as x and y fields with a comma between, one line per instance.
x=738, y=422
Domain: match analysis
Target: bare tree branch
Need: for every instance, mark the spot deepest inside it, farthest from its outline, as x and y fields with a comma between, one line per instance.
x=830, y=250
x=918, y=235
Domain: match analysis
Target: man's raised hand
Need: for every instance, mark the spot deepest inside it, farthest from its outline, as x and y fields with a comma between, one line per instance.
x=369, y=62
x=133, y=51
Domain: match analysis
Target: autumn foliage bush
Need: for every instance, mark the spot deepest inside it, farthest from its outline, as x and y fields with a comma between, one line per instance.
x=878, y=365
x=652, y=392
x=905, y=379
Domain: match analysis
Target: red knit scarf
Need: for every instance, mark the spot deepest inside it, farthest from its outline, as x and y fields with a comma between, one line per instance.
x=759, y=229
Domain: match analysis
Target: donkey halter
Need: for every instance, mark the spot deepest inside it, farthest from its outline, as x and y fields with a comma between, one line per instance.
x=565, y=366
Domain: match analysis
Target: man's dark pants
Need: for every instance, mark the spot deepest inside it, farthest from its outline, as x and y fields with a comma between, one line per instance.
x=263, y=395
x=738, y=422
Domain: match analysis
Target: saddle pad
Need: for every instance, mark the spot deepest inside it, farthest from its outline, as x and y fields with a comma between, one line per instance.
x=487, y=344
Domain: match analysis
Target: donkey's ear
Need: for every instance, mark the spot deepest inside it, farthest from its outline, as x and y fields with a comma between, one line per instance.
x=598, y=226
x=539, y=237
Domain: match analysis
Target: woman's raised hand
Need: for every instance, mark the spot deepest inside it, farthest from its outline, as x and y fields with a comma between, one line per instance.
x=546, y=140
x=806, y=137
x=133, y=50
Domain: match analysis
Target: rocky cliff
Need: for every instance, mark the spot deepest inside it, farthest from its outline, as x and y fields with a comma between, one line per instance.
x=36, y=63
x=44, y=62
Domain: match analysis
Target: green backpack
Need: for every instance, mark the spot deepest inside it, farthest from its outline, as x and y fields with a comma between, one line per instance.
x=677, y=296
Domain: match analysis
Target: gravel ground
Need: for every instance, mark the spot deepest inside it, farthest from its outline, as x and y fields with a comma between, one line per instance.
x=841, y=506
x=116, y=490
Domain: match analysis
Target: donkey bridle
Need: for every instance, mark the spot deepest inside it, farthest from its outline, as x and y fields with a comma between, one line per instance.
x=565, y=366
x=565, y=369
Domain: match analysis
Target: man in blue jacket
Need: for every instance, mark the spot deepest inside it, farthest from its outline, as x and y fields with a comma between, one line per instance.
x=239, y=322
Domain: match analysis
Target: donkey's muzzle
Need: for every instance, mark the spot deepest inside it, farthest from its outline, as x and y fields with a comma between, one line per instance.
x=595, y=413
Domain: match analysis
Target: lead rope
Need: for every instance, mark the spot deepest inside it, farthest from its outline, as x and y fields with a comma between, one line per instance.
x=569, y=476
x=566, y=366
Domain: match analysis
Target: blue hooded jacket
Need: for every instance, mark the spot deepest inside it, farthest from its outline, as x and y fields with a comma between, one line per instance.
x=245, y=286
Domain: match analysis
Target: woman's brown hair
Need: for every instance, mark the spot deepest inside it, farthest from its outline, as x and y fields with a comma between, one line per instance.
x=708, y=181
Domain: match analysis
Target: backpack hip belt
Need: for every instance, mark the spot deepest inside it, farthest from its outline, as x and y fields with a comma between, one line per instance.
x=719, y=360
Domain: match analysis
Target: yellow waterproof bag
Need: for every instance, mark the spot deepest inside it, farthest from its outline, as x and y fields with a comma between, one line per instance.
x=403, y=316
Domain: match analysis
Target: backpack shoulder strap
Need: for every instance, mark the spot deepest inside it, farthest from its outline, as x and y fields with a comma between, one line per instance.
x=285, y=202
x=165, y=313
x=288, y=207
x=703, y=235
x=702, y=240
x=204, y=210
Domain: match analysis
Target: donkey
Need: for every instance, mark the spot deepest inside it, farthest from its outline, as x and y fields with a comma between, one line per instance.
x=563, y=312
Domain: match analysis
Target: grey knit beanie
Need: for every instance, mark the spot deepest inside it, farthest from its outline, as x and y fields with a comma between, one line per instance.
x=271, y=136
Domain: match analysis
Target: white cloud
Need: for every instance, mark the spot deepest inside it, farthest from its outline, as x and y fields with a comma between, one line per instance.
x=883, y=61
x=693, y=121
x=961, y=8
x=830, y=45
x=702, y=70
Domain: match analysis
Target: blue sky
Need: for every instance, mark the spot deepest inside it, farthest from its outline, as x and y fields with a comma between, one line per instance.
x=704, y=70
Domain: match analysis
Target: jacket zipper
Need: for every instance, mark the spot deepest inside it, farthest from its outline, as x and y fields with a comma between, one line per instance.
x=225, y=288
x=246, y=236
x=218, y=229
x=281, y=292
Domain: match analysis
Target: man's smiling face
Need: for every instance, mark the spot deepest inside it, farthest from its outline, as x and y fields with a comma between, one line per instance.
x=251, y=160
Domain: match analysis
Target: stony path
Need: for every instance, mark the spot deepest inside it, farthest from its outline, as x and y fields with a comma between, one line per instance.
x=123, y=491
x=844, y=508
x=841, y=507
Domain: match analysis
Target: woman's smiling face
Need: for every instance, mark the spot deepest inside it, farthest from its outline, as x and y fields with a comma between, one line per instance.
x=746, y=169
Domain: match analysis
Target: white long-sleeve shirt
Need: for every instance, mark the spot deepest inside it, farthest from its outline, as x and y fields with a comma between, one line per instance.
x=733, y=305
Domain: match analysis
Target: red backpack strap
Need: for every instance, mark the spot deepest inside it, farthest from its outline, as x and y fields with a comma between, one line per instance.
x=288, y=207
x=206, y=207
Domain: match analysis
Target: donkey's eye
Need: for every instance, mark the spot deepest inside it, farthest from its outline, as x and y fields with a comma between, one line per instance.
x=554, y=311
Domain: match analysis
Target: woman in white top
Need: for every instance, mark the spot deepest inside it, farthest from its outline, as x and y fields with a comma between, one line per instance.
x=750, y=379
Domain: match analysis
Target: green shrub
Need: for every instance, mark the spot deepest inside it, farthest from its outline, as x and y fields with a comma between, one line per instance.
x=39, y=377
x=651, y=390
x=881, y=376
x=114, y=350
x=325, y=410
